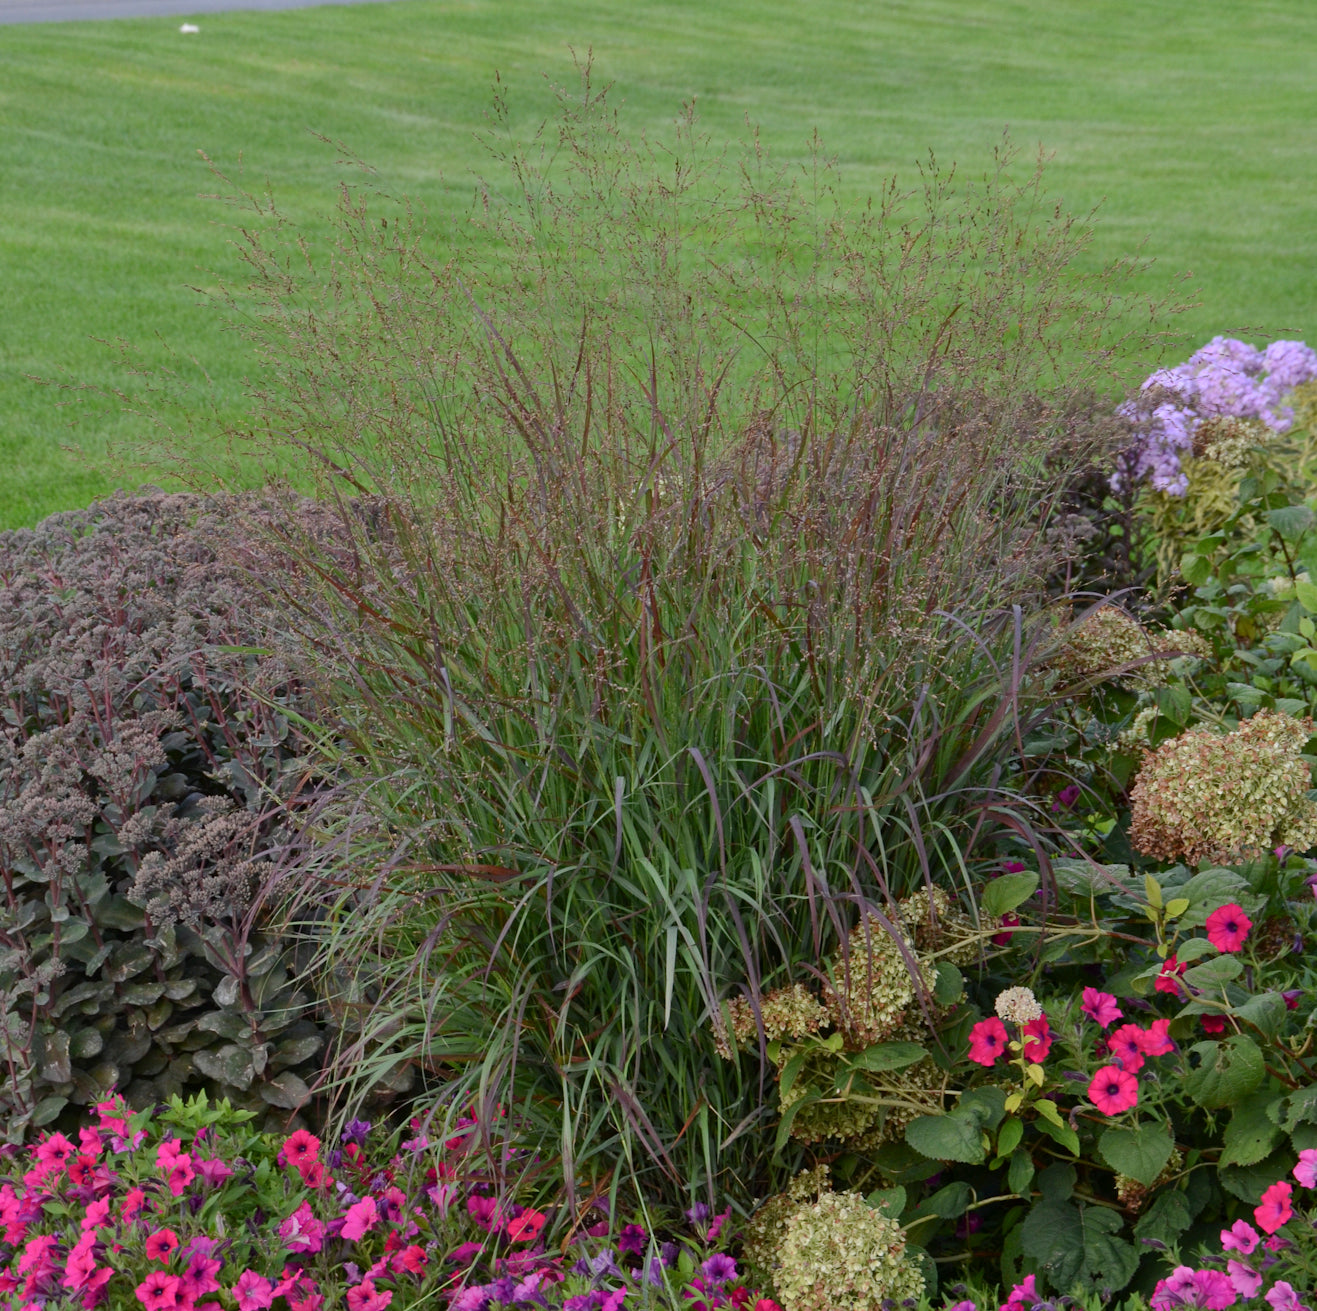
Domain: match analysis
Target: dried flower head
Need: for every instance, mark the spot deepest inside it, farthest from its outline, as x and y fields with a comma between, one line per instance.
x=1108, y=638
x=940, y=926
x=871, y=983
x=790, y=1012
x=1018, y=1005
x=1207, y=796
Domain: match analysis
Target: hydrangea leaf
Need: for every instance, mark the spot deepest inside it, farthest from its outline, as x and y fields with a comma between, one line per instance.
x=1227, y=1071
x=1008, y=891
x=1078, y=1244
x=1247, y=1182
x=1141, y=1153
x=946, y=1138
x=1165, y=1219
x=1212, y=973
x=1251, y=1133
x=888, y=1056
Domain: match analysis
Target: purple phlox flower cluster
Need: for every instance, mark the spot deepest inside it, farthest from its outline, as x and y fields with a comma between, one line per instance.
x=1224, y=379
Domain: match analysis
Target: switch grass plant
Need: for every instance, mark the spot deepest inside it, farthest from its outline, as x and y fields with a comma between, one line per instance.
x=676, y=580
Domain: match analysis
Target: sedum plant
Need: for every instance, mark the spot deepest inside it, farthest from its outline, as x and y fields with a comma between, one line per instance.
x=143, y=745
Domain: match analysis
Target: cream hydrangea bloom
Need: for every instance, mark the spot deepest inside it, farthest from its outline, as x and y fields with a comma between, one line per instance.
x=1208, y=796
x=839, y=1254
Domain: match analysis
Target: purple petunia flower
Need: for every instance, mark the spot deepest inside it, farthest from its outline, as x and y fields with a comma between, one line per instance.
x=719, y=1268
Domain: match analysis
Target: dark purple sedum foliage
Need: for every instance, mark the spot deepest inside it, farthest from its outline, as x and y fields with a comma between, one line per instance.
x=145, y=770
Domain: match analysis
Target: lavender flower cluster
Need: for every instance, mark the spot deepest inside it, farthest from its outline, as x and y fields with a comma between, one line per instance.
x=1226, y=379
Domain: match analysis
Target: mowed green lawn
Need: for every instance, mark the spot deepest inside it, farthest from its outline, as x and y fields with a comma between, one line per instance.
x=1191, y=123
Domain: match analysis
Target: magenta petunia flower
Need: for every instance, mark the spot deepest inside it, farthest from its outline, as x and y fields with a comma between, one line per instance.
x=1214, y=1023
x=1007, y=922
x=1113, y=1090
x=1168, y=977
x=358, y=1218
x=1126, y=1045
x=1037, y=1040
x=987, y=1041
x=1275, y=1209
x=1213, y=1290
x=1100, y=1007
x=162, y=1292
x=160, y=1246
x=366, y=1297
x=1227, y=927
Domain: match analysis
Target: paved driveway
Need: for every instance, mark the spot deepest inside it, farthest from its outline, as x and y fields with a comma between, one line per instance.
x=63, y=11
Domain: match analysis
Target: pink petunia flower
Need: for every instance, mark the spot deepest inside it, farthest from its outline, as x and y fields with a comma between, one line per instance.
x=213, y=1173
x=1306, y=1170
x=1282, y=1297
x=1100, y=1007
x=366, y=1297
x=1243, y=1278
x=302, y=1232
x=1008, y=921
x=1126, y=1045
x=80, y=1263
x=253, y=1292
x=1275, y=1209
x=1240, y=1237
x=412, y=1259
x=1113, y=1090
x=987, y=1041
x=359, y=1218
x=1037, y=1036
x=131, y=1206
x=180, y=1176
x=1227, y=927
x=1022, y=1295
x=54, y=1152
x=1214, y=1024
x=1156, y=1040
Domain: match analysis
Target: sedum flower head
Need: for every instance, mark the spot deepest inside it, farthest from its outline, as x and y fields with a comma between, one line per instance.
x=1018, y=1005
x=838, y=1254
x=1206, y=796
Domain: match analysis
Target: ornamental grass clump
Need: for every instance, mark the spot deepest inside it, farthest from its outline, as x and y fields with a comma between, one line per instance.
x=1220, y=797
x=684, y=632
